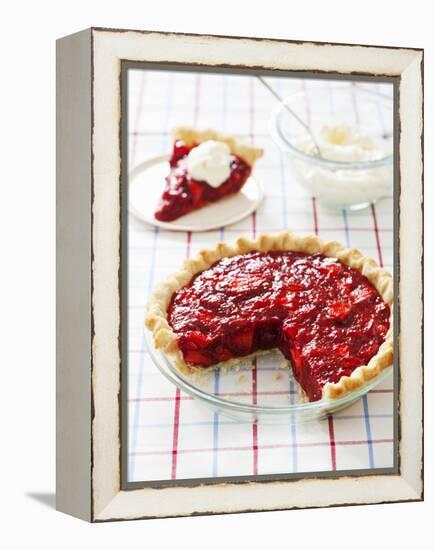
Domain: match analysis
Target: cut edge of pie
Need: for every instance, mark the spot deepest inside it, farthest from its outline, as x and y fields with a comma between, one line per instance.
x=165, y=338
x=191, y=136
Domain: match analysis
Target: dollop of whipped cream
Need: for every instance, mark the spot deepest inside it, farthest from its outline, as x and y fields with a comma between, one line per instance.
x=210, y=161
x=344, y=144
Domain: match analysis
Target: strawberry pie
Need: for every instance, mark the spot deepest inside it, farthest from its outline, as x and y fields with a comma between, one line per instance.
x=326, y=308
x=205, y=167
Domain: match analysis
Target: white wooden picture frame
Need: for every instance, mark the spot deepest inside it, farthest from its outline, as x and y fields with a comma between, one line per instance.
x=89, y=374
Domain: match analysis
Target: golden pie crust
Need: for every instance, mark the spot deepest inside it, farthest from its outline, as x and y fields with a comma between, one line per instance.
x=166, y=339
x=237, y=146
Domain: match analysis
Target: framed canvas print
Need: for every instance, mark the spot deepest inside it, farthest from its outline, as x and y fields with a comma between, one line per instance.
x=239, y=274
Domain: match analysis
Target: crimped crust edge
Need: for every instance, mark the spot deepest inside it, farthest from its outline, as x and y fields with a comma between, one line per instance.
x=165, y=338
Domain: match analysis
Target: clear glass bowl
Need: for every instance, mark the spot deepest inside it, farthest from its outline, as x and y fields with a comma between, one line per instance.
x=338, y=183
x=268, y=393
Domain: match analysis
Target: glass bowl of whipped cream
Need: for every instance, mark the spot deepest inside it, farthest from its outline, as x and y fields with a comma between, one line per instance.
x=346, y=161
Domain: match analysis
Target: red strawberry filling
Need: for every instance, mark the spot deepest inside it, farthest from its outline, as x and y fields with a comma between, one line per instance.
x=183, y=194
x=324, y=316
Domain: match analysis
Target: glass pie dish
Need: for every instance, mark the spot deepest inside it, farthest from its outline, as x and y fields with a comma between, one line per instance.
x=355, y=168
x=267, y=393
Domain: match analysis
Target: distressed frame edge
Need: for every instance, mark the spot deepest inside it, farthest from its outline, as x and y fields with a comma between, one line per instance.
x=397, y=490
x=411, y=252
x=106, y=513
x=257, y=39
x=73, y=293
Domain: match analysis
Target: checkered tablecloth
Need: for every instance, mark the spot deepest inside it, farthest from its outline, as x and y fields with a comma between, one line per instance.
x=171, y=435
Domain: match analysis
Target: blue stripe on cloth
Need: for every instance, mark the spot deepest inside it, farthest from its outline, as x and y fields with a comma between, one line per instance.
x=131, y=465
x=164, y=145
x=346, y=229
x=216, y=414
x=283, y=182
x=133, y=445
x=247, y=422
x=216, y=427
x=365, y=399
x=284, y=193
x=368, y=432
x=293, y=431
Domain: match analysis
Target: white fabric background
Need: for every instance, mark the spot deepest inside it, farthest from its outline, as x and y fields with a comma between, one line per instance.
x=172, y=436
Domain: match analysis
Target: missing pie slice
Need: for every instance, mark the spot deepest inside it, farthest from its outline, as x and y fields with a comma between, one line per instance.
x=205, y=166
x=327, y=308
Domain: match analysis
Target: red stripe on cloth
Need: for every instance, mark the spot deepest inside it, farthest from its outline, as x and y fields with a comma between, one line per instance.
x=254, y=225
x=188, y=251
x=221, y=394
x=252, y=137
x=377, y=235
x=332, y=442
x=177, y=410
x=330, y=418
x=175, y=433
x=295, y=228
x=315, y=215
x=229, y=394
x=269, y=446
x=252, y=109
x=162, y=398
x=254, y=371
x=255, y=423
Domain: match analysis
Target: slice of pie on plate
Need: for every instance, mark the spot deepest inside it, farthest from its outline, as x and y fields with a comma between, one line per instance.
x=327, y=308
x=205, y=166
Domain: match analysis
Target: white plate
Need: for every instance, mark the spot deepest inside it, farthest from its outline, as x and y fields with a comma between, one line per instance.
x=146, y=187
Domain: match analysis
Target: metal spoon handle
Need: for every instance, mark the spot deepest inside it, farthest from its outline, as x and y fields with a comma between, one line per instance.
x=292, y=113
